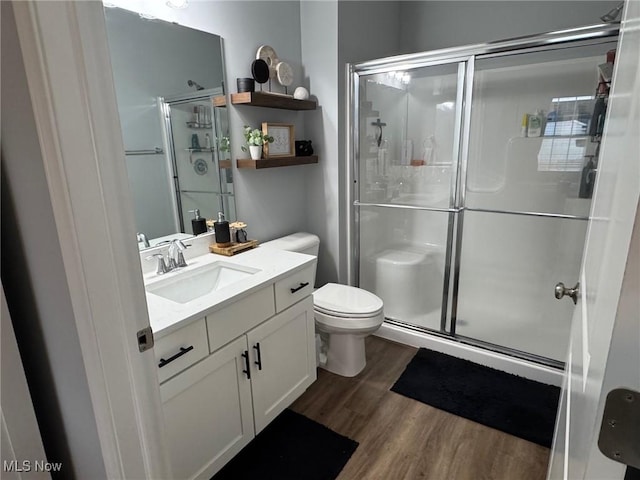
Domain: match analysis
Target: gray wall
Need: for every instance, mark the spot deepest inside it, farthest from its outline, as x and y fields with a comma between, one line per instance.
x=312, y=198
x=378, y=22
x=377, y=29
x=440, y=24
x=332, y=34
x=152, y=58
x=274, y=201
x=319, y=21
x=33, y=279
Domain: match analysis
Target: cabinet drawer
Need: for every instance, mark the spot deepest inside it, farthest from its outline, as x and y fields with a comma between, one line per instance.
x=294, y=288
x=239, y=317
x=181, y=349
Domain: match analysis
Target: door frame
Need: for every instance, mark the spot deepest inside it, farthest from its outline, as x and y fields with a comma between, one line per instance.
x=605, y=334
x=65, y=52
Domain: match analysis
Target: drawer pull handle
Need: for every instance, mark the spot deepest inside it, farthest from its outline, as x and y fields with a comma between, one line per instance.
x=258, y=362
x=247, y=372
x=300, y=287
x=182, y=351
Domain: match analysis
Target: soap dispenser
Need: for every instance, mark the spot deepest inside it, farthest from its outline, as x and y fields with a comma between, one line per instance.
x=221, y=230
x=198, y=223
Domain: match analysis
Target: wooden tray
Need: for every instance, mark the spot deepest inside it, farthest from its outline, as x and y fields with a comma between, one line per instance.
x=234, y=248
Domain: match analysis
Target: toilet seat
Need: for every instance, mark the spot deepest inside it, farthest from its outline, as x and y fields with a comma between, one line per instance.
x=345, y=309
x=345, y=315
x=346, y=301
x=333, y=324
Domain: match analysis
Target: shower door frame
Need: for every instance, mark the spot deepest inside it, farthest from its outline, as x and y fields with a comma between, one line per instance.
x=164, y=105
x=465, y=58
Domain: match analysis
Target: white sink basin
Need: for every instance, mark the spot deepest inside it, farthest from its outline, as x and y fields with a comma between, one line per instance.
x=183, y=287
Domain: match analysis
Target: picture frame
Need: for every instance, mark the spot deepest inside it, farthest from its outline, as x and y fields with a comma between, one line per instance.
x=283, y=140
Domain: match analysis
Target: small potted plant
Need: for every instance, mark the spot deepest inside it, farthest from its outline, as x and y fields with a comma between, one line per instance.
x=224, y=145
x=255, y=139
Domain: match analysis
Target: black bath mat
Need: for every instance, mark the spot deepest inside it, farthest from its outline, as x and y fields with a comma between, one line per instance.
x=292, y=447
x=506, y=402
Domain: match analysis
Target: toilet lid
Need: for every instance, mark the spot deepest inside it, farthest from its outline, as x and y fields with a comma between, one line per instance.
x=344, y=299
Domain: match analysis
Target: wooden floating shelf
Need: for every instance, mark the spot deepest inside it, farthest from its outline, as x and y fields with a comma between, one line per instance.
x=220, y=101
x=275, y=162
x=263, y=99
x=225, y=163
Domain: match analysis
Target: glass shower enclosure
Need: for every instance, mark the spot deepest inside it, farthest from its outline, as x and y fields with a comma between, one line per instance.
x=472, y=172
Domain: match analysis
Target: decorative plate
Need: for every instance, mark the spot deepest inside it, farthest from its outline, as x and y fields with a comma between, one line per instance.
x=285, y=74
x=200, y=166
x=269, y=55
x=260, y=71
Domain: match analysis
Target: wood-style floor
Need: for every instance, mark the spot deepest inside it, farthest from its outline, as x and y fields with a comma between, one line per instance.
x=401, y=438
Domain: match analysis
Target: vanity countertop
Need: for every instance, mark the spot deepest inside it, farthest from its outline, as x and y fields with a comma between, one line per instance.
x=167, y=316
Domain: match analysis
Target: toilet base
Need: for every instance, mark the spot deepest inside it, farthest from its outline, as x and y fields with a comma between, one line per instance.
x=346, y=354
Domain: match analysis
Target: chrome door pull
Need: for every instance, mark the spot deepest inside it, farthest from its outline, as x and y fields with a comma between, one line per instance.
x=561, y=291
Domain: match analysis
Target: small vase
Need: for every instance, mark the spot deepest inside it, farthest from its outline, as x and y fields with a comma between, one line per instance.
x=255, y=151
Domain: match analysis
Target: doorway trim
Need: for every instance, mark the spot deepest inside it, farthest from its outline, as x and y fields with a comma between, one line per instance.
x=65, y=52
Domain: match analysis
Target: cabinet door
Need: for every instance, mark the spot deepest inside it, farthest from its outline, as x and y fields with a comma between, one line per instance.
x=285, y=348
x=207, y=411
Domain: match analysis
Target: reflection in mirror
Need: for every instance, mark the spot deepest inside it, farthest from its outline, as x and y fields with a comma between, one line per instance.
x=169, y=83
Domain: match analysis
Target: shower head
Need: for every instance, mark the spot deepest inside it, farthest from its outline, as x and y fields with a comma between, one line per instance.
x=191, y=83
x=612, y=14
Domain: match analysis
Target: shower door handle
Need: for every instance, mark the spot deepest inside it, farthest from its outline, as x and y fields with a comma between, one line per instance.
x=561, y=291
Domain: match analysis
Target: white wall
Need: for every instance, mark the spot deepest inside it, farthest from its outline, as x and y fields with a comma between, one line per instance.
x=39, y=302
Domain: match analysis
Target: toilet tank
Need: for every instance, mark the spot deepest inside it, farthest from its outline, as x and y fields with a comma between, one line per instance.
x=300, y=242
x=296, y=242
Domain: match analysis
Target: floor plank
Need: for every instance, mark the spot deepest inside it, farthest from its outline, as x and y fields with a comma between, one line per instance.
x=402, y=439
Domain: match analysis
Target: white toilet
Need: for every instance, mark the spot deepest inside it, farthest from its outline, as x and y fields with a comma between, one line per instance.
x=344, y=315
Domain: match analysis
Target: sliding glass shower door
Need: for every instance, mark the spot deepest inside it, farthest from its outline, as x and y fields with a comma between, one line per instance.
x=473, y=175
x=527, y=195
x=408, y=144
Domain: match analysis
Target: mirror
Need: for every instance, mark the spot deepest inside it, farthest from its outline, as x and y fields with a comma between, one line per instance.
x=169, y=83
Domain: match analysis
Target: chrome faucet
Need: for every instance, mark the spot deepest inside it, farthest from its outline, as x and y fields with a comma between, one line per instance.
x=142, y=238
x=175, y=255
x=161, y=267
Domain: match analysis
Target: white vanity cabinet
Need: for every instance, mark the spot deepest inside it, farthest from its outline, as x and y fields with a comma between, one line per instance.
x=207, y=412
x=284, y=361
x=262, y=357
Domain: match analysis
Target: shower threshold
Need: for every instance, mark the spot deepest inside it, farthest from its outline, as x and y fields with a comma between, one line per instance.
x=516, y=362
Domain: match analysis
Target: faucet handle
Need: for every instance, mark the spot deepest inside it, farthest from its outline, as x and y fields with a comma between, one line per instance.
x=179, y=244
x=161, y=267
x=141, y=237
x=180, y=261
x=176, y=257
